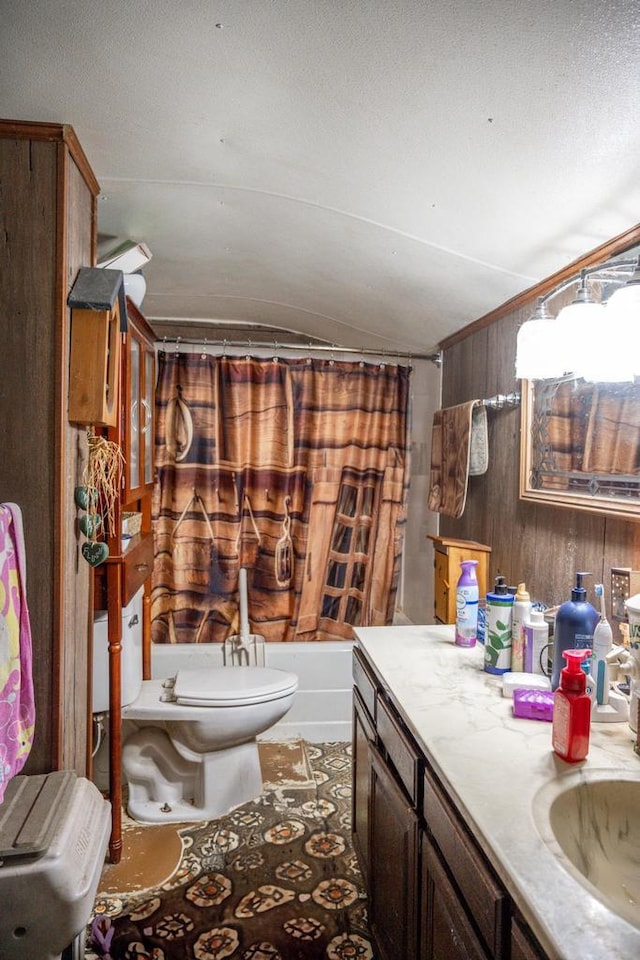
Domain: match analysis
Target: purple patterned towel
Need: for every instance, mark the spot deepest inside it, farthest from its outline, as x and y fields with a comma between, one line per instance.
x=17, y=706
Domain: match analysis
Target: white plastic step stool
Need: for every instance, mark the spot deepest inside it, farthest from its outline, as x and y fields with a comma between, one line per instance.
x=54, y=830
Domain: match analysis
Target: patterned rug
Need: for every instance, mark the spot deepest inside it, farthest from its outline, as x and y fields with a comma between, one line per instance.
x=276, y=879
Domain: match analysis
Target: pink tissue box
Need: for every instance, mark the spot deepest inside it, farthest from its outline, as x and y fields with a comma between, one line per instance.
x=533, y=704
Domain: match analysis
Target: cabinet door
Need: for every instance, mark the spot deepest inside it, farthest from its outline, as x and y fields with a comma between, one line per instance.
x=134, y=413
x=146, y=423
x=363, y=734
x=523, y=945
x=446, y=932
x=138, y=411
x=393, y=876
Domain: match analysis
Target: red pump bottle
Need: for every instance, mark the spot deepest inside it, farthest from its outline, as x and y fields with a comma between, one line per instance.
x=572, y=710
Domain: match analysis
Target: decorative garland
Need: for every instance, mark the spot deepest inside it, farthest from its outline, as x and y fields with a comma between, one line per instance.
x=102, y=478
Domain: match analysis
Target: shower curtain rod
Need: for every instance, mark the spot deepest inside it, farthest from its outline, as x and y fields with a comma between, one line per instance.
x=301, y=348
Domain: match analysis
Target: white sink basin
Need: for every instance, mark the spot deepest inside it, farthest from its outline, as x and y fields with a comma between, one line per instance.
x=591, y=822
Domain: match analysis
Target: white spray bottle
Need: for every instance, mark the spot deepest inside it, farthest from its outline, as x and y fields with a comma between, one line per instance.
x=610, y=705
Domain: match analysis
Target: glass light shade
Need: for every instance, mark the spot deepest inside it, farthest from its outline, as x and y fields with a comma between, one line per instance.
x=537, y=354
x=580, y=326
x=615, y=357
x=135, y=287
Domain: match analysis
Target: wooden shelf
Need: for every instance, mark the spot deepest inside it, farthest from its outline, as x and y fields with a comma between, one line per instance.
x=448, y=554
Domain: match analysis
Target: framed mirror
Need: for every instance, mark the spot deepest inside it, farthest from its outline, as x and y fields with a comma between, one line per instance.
x=580, y=445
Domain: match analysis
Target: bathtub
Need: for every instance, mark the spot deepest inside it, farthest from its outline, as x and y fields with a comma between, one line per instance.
x=321, y=711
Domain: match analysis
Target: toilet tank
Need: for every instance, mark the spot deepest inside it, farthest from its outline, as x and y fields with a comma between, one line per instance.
x=130, y=657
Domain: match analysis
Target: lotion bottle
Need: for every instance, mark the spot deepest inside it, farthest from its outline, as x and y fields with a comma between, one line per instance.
x=576, y=621
x=497, y=644
x=572, y=710
x=536, y=639
x=467, y=605
x=521, y=611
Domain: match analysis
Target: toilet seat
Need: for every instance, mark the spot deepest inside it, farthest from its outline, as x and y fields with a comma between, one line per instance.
x=232, y=686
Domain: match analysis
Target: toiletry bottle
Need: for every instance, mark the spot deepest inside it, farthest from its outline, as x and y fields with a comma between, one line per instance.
x=575, y=623
x=497, y=644
x=521, y=611
x=536, y=638
x=572, y=710
x=467, y=605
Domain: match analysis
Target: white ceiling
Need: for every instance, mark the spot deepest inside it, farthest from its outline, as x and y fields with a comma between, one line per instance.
x=373, y=172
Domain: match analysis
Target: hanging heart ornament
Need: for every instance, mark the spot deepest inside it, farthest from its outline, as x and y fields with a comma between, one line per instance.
x=81, y=497
x=95, y=552
x=90, y=524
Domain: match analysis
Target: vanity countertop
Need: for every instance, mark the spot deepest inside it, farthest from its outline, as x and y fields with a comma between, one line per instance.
x=493, y=766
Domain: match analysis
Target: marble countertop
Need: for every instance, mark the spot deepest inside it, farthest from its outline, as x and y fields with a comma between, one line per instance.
x=498, y=769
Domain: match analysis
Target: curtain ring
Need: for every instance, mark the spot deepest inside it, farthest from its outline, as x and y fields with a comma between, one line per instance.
x=203, y=355
x=178, y=339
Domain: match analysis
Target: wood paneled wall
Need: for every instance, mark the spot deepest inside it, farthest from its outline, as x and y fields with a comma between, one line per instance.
x=48, y=228
x=542, y=545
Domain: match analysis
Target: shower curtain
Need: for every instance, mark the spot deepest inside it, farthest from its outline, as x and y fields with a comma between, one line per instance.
x=296, y=470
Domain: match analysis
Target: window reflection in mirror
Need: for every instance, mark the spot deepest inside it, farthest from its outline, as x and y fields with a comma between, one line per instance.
x=581, y=445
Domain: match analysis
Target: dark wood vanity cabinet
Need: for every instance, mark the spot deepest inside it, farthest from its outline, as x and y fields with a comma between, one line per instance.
x=393, y=864
x=447, y=934
x=432, y=893
x=523, y=942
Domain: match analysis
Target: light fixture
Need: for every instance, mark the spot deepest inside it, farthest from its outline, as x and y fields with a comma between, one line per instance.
x=623, y=316
x=595, y=339
x=135, y=287
x=536, y=349
x=129, y=256
x=577, y=329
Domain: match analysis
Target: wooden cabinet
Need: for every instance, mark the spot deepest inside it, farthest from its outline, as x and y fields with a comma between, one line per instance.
x=432, y=893
x=128, y=570
x=363, y=734
x=139, y=384
x=448, y=553
x=48, y=228
x=483, y=905
x=523, y=943
x=394, y=857
x=447, y=933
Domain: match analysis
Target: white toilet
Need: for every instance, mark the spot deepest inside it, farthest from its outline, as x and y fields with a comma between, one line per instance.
x=193, y=752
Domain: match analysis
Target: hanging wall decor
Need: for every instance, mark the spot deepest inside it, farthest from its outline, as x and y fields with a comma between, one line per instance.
x=102, y=479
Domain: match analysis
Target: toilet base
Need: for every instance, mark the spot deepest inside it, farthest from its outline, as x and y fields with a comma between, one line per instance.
x=166, y=788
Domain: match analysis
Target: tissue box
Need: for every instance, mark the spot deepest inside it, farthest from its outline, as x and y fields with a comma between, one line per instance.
x=131, y=524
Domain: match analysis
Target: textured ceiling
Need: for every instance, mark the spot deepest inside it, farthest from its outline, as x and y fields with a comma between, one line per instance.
x=375, y=173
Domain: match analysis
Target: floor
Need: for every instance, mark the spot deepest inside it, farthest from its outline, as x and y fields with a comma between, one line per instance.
x=152, y=854
x=275, y=879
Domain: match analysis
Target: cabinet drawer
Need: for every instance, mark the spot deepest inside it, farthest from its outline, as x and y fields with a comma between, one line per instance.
x=137, y=565
x=487, y=901
x=365, y=682
x=399, y=749
x=363, y=717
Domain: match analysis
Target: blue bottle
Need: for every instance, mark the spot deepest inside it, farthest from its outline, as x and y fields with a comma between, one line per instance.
x=497, y=642
x=576, y=621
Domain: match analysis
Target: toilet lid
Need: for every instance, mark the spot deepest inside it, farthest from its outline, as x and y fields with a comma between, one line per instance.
x=232, y=686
